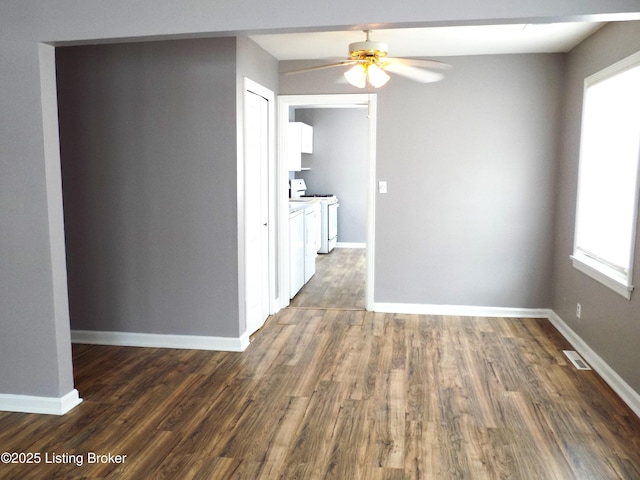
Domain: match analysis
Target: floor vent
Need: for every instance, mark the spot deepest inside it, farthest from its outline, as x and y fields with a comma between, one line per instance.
x=576, y=359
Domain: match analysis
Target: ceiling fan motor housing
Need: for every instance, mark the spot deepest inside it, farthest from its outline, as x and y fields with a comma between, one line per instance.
x=368, y=49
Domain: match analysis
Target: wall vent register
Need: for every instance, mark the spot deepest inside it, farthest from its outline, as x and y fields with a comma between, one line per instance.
x=576, y=360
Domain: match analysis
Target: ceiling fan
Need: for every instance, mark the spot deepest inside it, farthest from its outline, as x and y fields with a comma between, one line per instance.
x=369, y=65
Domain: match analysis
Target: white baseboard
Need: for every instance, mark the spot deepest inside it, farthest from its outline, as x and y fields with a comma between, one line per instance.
x=42, y=405
x=351, y=245
x=155, y=340
x=622, y=388
x=460, y=310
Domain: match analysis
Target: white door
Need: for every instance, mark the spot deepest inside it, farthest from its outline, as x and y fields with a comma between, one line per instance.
x=256, y=148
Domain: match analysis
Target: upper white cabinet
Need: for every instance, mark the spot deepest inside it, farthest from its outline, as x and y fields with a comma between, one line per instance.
x=300, y=140
x=306, y=135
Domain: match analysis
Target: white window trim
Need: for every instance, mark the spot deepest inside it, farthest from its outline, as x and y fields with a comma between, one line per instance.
x=607, y=276
x=599, y=271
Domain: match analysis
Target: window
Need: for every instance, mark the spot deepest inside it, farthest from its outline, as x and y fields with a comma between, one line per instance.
x=608, y=180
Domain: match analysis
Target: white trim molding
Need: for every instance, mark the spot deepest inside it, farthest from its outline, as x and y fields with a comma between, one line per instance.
x=155, y=340
x=461, y=310
x=41, y=405
x=603, y=274
x=608, y=374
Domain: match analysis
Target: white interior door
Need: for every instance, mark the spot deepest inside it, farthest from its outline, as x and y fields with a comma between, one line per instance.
x=256, y=148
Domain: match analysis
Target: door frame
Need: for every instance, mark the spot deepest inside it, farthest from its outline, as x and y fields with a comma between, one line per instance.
x=285, y=104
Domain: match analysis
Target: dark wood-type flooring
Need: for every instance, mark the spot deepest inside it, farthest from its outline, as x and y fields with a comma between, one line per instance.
x=342, y=394
x=339, y=282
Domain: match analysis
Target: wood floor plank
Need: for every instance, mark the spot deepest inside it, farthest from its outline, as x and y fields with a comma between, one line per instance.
x=276, y=456
x=347, y=458
x=311, y=445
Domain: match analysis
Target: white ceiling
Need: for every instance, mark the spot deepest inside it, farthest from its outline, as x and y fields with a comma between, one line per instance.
x=433, y=41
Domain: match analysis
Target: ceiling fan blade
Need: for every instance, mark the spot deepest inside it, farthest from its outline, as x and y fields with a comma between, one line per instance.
x=321, y=67
x=418, y=62
x=414, y=73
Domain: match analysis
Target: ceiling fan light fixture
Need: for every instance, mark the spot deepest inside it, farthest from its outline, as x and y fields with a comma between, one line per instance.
x=377, y=76
x=362, y=73
x=357, y=75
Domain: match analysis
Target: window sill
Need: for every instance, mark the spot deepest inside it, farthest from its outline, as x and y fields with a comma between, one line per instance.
x=601, y=273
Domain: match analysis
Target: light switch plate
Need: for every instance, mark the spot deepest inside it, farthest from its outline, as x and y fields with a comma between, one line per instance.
x=382, y=187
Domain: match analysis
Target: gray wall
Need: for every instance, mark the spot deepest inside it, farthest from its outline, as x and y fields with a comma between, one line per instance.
x=339, y=164
x=470, y=166
x=33, y=302
x=609, y=323
x=149, y=166
x=256, y=64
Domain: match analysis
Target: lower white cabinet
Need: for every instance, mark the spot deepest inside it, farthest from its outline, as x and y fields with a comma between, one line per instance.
x=311, y=240
x=296, y=251
x=304, y=243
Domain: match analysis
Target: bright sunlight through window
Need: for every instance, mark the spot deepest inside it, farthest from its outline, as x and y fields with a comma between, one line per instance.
x=608, y=181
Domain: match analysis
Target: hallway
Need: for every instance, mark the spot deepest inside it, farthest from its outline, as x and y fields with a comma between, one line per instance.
x=339, y=282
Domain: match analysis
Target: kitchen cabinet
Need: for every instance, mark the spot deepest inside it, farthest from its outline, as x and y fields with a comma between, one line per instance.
x=312, y=238
x=304, y=242
x=300, y=140
x=296, y=251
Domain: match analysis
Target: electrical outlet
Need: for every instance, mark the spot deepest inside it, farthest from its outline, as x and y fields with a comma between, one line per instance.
x=578, y=310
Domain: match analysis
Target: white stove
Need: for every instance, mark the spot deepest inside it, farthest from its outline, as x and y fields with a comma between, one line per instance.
x=328, y=213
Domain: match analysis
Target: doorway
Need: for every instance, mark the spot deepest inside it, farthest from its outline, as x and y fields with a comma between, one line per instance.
x=290, y=103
